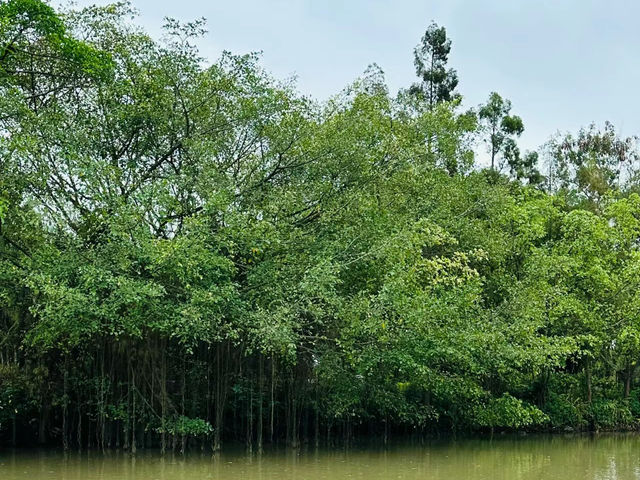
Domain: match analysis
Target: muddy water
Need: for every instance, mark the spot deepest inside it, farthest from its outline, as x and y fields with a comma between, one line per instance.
x=579, y=457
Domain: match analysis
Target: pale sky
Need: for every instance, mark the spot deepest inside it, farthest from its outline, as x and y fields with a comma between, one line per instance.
x=562, y=63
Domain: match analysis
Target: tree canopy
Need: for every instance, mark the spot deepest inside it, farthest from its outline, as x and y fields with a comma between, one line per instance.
x=193, y=251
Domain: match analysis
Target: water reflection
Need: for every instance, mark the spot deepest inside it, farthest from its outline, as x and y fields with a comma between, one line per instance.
x=602, y=457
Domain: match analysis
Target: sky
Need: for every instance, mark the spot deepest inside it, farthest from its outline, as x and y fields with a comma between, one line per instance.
x=563, y=63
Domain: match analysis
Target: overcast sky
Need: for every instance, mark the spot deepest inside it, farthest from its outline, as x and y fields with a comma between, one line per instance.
x=562, y=63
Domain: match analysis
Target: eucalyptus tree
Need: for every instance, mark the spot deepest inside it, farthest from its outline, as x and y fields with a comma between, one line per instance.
x=593, y=162
x=437, y=83
x=501, y=128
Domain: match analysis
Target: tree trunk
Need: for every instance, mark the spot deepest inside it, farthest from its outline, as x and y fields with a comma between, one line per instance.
x=316, y=408
x=628, y=380
x=272, y=403
x=260, y=381
x=219, y=400
x=65, y=439
x=249, y=420
x=588, y=378
x=133, y=410
x=163, y=398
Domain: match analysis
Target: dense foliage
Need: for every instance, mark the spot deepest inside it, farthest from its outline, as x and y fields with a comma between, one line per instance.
x=193, y=251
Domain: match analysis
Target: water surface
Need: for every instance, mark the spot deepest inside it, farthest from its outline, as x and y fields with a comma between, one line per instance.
x=584, y=457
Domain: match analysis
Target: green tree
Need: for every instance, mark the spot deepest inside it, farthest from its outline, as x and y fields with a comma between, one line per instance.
x=593, y=162
x=501, y=128
x=193, y=251
x=437, y=83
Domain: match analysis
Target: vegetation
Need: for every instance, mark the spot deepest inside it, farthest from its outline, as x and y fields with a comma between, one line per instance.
x=194, y=252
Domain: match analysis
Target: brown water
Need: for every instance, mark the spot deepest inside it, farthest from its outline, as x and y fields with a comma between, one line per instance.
x=603, y=457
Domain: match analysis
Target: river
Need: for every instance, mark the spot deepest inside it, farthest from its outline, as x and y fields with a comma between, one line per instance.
x=531, y=457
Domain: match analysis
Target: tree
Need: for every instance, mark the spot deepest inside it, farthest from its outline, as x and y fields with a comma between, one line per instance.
x=593, y=162
x=501, y=127
x=437, y=83
x=193, y=251
x=522, y=168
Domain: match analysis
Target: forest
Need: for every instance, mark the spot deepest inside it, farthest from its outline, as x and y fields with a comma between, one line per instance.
x=193, y=252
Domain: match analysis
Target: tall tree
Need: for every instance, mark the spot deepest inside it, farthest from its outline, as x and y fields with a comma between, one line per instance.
x=437, y=83
x=593, y=162
x=501, y=126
